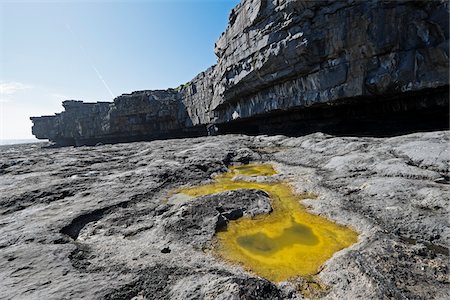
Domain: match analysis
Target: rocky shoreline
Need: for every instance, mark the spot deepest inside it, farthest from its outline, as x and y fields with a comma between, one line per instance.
x=346, y=100
x=94, y=222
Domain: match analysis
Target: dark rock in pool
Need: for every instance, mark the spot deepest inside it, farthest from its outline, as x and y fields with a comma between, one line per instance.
x=165, y=250
x=198, y=220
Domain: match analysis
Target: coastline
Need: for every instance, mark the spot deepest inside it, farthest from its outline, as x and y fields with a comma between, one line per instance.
x=10, y=142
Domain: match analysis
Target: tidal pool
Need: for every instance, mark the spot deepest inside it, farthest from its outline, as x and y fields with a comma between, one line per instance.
x=287, y=243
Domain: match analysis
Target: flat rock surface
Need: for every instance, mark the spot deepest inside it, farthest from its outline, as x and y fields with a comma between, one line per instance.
x=102, y=222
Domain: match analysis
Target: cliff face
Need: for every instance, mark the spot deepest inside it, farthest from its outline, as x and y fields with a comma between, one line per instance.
x=143, y=115
x=284, y=54
x=196, y=96
x=79, y=121
x=288, y=56
x=148, y=115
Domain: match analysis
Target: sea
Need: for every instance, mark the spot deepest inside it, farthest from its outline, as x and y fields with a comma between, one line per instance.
x=20, y=141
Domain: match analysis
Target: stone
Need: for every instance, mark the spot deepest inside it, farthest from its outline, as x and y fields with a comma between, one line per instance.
x=90, y=222
x=196, y=221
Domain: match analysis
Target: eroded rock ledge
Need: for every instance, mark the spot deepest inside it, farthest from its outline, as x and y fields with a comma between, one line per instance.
x=285, y=63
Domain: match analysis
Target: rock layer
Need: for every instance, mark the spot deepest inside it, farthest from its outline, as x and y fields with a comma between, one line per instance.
x=131, y=117
x=291, y=61
x=283, y=54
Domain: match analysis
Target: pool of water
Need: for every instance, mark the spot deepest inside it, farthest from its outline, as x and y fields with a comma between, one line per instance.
x=287, y=243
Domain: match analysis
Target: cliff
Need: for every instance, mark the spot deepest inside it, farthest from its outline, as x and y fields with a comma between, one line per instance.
x=291, y=65
x=142, y=115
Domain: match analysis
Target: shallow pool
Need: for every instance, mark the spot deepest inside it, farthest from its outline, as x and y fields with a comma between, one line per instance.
x=287, y=243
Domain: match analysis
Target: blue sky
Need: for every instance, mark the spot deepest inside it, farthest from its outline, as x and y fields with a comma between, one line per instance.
x=93, y=50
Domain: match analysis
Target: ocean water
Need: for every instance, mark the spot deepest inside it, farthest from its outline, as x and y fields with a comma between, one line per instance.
x=19, y=141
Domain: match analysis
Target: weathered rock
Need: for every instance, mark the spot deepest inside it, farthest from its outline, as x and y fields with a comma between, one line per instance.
x=91, y=222
x=196, y=96
x=144, y=115
x=79, y=121
x=291, y=65
x=301, y=66
x=284, y=54
x=196, y=222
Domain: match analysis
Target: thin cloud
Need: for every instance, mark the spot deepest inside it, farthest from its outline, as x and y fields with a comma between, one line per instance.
x=89, y=60
x=12, y=87
x=103, y=81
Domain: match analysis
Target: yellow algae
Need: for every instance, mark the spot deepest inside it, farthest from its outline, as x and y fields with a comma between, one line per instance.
x=287, y=243
x=251, y=170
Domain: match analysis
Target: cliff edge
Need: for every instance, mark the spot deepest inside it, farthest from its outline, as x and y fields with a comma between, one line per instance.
x=291, y=67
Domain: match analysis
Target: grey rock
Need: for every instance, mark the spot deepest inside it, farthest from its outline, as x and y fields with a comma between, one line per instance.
x=277, y=55
x=195, y=222
x=143, y=115
x=90, y=222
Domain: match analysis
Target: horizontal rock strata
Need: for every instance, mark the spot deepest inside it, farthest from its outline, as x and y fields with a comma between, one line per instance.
x=287, y=56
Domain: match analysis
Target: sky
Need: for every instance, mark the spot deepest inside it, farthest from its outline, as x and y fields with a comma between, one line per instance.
x=52, y=51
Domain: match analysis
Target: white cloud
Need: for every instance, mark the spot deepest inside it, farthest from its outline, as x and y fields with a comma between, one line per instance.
x=19, y=102
x=12, y=87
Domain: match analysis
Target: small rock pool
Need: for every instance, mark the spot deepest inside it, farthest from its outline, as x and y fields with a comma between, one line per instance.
x=287, y=243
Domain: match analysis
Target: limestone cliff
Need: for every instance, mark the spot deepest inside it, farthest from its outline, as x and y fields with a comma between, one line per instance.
x=142, y=115
x=284, y=63
x=283, y=54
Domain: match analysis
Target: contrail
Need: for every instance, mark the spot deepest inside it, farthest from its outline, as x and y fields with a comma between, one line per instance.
x=97, y=72
x=102, y=80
